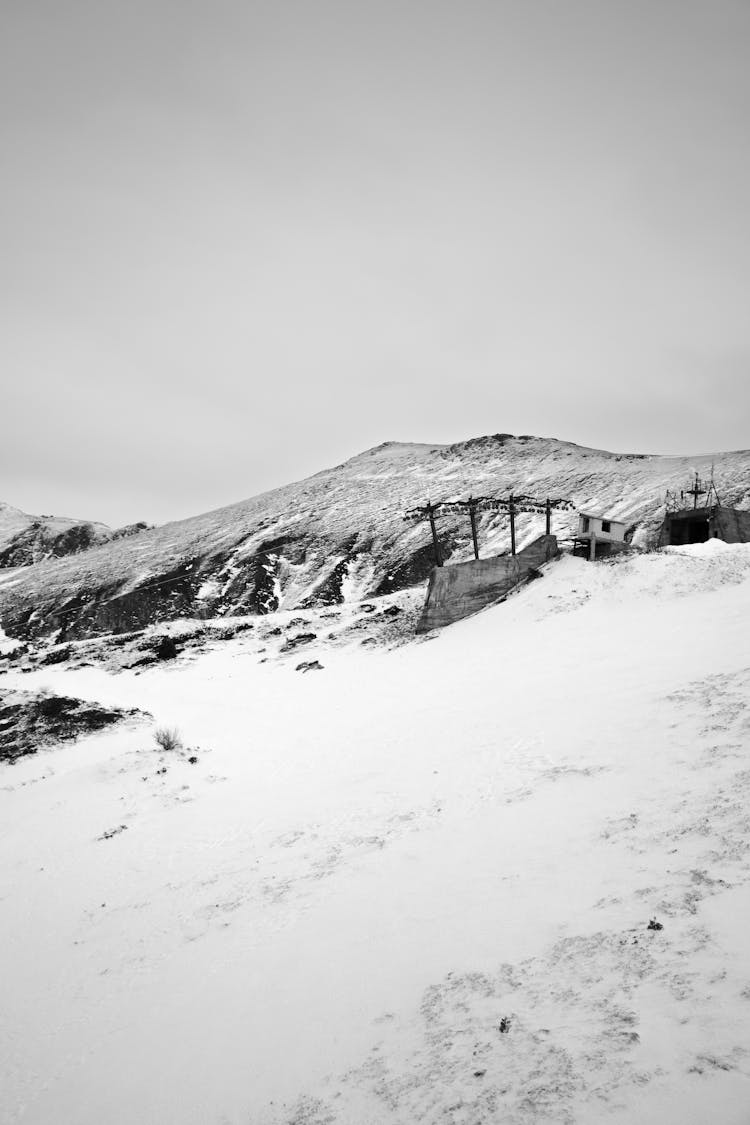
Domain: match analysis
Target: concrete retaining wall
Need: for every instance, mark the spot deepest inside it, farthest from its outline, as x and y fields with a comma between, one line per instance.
x=458, y=591
x=731, y=525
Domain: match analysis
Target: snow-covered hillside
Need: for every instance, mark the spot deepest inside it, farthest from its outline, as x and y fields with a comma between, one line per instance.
x=341, y=535
x=413, y=886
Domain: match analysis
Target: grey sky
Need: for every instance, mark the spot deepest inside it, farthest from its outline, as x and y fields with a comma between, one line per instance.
x=242, y=241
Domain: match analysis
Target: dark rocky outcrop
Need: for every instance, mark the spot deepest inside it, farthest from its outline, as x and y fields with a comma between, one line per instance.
x=108, y=610
x=29, y=721
x=26, y=540
x=414, y=569
x=295, y=642
x=42, y=540
x=165, y=648
x=131, y=529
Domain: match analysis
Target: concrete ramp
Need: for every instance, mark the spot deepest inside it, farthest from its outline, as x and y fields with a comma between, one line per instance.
x=458, y=591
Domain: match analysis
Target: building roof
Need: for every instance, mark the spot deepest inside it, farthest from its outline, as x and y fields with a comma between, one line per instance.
x=699, y=513
x=592, y=516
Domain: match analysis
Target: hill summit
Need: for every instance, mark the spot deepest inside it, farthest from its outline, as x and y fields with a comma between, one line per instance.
x=340, y=534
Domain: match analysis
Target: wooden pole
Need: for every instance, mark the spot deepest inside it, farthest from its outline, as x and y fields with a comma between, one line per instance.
x=435, y=543
x=473, y=518
x=512, y=510
x=547, y=513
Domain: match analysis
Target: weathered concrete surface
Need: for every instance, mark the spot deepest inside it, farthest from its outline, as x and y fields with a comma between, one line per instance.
x=695, y=525
x=731, y=525
x=458, y=591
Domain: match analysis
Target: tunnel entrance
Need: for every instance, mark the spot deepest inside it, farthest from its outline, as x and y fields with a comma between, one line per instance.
x=691, y=529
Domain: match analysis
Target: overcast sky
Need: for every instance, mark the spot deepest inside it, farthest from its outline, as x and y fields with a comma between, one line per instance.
x=240, y=241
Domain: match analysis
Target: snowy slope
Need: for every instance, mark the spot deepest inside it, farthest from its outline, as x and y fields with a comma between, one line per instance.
x=341, y=534
x=327, y=917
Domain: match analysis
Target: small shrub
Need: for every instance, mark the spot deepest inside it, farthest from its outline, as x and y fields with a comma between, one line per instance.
x=168, y=739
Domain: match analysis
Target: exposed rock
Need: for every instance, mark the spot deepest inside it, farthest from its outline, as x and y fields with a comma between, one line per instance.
x=165, y=648
x=131, y=529
x=30, y=720
x=57, y=655
x=301, y=639
x=328, y=589
x=414, y=569
x=113, y=832
x=26, y=540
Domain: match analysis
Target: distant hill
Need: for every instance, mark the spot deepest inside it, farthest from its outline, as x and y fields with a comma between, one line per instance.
x=26, y=540
x=339, y=534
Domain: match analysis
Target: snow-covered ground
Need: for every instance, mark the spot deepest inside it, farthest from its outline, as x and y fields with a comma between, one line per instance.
x=329, y=916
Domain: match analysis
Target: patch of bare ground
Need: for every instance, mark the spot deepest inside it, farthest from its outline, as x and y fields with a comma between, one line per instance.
x=31, y=720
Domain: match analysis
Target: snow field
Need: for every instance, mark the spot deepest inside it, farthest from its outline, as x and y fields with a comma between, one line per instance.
x=326, y=918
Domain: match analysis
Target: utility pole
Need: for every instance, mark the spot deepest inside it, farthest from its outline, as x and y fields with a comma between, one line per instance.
x=473, y=517
x=696, y=491
x=435, y=543
x=511, y=507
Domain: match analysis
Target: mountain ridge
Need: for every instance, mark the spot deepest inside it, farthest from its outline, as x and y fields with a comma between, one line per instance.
x=340, y=534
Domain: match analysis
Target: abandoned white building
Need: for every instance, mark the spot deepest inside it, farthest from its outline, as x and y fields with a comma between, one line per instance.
x=598, y=536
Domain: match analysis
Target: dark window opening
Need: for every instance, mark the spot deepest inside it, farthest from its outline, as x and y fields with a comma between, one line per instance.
x=606, y=525
x=585, y=524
